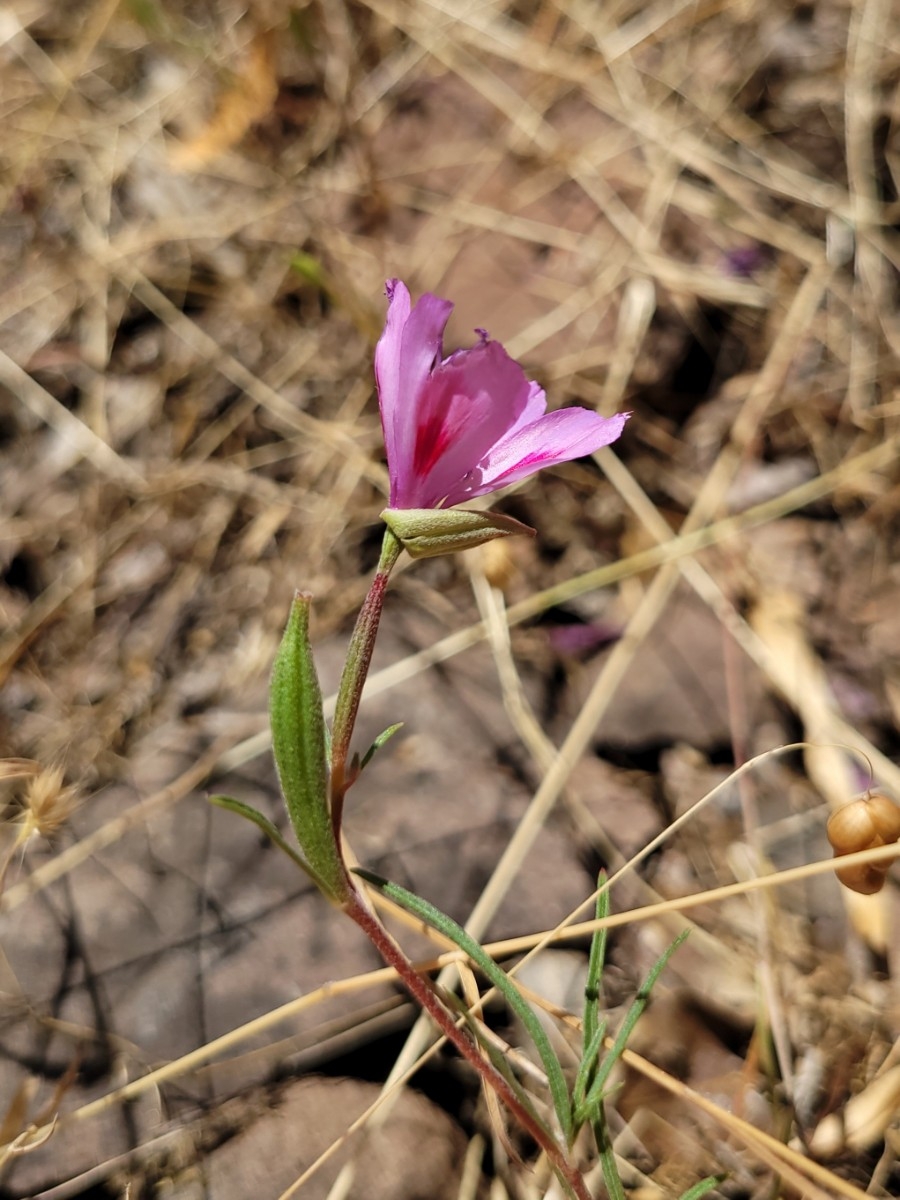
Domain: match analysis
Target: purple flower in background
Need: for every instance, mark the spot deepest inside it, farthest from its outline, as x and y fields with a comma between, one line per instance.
x=581, y=640
x=462, y=426
x=744, y=261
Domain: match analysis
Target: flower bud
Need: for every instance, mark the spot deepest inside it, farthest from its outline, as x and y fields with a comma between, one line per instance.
x=863, y=824
x=428, y=532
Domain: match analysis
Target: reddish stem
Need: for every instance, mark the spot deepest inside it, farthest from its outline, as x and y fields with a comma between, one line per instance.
x=353, y=677
x=425, y=996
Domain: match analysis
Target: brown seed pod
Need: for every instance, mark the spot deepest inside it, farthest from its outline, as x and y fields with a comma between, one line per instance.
x=864, y=823
x=866, y=878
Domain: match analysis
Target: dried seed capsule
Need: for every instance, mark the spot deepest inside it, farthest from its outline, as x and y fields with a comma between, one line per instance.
x=864, y=823
x=866, y=878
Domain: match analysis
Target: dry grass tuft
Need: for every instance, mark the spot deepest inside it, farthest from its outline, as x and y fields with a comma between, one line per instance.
x=46, y=805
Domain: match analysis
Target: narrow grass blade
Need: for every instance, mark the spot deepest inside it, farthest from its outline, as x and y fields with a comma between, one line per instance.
x=249, y=813
x=595, y=965
x=594, y=1098
x=590, y=1055
x=703, y=1187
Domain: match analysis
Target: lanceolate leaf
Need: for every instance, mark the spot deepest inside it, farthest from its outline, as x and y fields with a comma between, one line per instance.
x=299, y=746
x=380, y=741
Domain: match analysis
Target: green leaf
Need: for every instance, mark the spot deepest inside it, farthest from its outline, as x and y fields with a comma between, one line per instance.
x=310, y=268
x=443, y=924
x=299, y=747
x=593, y=1029
x=590, y=1055
x=148, y=14
x=272, y=832
x=380, y=741
x=704, y=1186
x=498, y=1059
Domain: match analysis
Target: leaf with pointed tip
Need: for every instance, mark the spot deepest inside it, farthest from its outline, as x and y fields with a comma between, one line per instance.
x=381, y=740
x=704, y=1186
x=596, y=961
x=593, y=1029
x=272, y=832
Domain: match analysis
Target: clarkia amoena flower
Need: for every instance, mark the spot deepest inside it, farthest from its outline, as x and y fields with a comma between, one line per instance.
x=466, y=425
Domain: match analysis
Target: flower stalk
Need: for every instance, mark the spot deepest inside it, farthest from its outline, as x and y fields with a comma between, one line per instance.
x=353, y=677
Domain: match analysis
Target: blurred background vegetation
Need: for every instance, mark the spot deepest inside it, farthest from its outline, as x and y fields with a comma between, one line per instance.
x=685, y=209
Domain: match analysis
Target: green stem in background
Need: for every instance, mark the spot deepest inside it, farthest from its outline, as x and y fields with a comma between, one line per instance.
x=611, y=1177
x=593, y=1101
x=424, y=995
x=596, y=963
x=353, y=677
x=705, y=1185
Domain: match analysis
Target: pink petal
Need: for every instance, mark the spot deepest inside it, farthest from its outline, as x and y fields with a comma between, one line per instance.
x=554, y=438
x=470, y=402
x=387, y=360
x=405, y=356
x=421, y=353
x=463, y=427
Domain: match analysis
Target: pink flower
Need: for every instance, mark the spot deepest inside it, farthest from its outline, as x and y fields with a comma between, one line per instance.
x=462, y=426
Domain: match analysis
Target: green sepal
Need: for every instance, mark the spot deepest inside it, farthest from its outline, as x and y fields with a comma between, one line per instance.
x=299, y=746
x=448, y=927
x=382, y=739
x=272, y=832
x=428, y=532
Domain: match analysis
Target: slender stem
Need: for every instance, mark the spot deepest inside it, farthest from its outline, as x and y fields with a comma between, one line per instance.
x=425, y=996
x=611, y=1176
x=353, y=677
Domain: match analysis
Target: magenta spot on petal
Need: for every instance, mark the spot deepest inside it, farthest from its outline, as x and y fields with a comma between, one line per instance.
x=535, y=458
x=483, y=335
x=432, y=439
